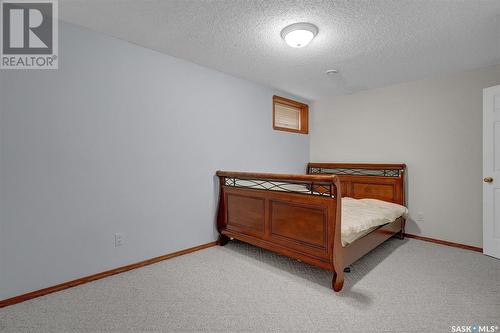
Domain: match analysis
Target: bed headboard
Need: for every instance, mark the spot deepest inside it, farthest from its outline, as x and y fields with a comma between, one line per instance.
x=364, y=180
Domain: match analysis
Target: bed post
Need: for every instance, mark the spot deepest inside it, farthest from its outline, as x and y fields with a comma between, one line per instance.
x=223, y=239
x=338, y=250
x=338, y=281
x=403, y=200
x=401, y=234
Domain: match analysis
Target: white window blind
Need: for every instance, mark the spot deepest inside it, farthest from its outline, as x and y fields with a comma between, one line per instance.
x=286, y=116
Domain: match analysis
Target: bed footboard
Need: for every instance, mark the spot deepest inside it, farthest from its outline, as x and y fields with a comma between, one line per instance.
x=300, y=215
x=293, y=215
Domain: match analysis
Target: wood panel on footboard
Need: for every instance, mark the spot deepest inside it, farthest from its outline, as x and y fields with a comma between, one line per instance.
x=300, y=215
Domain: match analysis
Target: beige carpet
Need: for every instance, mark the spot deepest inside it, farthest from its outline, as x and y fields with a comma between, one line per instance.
x=403, y=286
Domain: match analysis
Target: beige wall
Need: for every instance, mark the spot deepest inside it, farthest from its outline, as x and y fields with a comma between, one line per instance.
x=435, y=127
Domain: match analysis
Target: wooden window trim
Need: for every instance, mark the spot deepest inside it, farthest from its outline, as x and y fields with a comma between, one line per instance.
x=304, y=115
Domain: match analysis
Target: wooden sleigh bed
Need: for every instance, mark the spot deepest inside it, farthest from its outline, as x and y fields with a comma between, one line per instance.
x=300, y=215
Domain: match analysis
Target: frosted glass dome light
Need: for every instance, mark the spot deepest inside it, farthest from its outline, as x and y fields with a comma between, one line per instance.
x=299, y=34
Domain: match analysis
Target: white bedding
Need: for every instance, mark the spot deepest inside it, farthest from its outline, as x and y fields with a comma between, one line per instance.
x=361, y=216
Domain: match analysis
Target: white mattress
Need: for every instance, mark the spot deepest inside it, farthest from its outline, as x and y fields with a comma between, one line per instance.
x=361, y=216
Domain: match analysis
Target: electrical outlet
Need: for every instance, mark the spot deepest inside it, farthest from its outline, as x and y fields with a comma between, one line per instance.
x=119, y=239
x=419, y=217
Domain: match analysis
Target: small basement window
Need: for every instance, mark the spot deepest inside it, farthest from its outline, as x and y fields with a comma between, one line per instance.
x=290, y=115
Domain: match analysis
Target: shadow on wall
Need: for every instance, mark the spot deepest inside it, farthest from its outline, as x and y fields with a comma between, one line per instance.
x=414, y=226
x=215, y=204
x=409, y=221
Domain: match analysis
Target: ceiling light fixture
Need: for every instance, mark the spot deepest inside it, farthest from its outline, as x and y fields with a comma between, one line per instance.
x=299, y=34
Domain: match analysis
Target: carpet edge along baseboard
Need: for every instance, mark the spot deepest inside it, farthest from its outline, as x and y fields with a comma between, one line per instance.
x=90, y=278
x=86, y=279
x=447, y=243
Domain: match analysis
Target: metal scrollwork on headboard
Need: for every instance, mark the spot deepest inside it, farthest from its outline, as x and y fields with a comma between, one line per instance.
x=356, y=171
x=312, y=188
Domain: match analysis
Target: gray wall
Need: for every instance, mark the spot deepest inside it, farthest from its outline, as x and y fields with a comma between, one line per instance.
x=435, y=127
x=121, y=139
x=2, y=236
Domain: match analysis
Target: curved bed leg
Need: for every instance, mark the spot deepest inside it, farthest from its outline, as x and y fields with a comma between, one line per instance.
x=338, y=281
x=402, y=232
x=223, y=239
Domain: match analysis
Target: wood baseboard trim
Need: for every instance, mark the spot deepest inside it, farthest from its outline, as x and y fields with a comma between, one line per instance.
x=443, y=242
x=86, y=279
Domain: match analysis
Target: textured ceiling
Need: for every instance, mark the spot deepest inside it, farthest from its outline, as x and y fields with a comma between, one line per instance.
x=372, y=43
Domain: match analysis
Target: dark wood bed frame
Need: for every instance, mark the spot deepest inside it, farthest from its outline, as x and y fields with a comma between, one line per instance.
x=304, y=222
